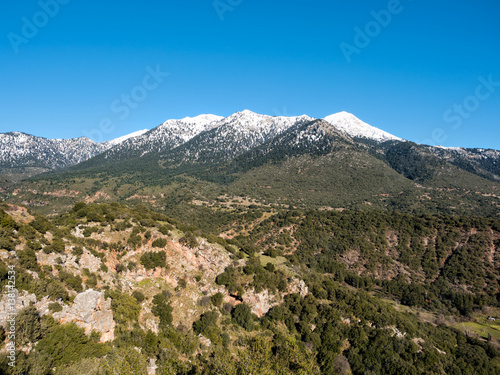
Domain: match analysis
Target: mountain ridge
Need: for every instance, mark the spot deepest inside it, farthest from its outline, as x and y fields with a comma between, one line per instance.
x=16, y=152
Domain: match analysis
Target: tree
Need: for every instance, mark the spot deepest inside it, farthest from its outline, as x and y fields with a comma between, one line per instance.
x=28, y=328
x=207, y=320
x=27, y=259
x=152, y=260
x=162, y=309
x=68, y=343
x=189, y=239
x=125, y=361
x=217, y=298
x=87, y=366
x=160, y=242
x=125, y=307
x=242, y=315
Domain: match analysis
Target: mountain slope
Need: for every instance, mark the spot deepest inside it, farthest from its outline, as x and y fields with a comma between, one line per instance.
x=163, y=138
x=113, y=288
x=231, y=137
x=296, y=161
x=19, y=149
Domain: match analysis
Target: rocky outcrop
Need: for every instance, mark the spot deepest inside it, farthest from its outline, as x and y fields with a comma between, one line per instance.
x=261, y=303
x=298, y=286
x=87, y=260
x=92, y=312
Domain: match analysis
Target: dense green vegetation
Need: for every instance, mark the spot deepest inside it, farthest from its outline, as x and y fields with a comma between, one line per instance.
x=351, y=262
x=443, y=261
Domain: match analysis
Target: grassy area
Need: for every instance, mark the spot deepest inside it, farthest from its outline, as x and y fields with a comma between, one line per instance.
x=264, y=259
x=480, y=329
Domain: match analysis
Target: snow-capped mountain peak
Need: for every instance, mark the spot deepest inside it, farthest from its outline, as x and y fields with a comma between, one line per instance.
x=247, y=120
x=202, y=119
x=354, y=127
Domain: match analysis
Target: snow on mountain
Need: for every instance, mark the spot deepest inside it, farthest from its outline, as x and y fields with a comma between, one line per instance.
x=257, y=128
x=22, y=150
x=232, y=136
x=354, y=127
x=184, y=129
x=213, y=139
x=123, y=138
x=164, y=137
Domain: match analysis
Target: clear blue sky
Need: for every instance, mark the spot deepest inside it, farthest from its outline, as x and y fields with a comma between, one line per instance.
x=281, y=57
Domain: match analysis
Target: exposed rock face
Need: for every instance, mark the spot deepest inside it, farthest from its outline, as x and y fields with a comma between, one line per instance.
x=152, y=366
x=20, y=214
x=261, y=303
x=87, y=260
x=91, y=311
x=298, y=286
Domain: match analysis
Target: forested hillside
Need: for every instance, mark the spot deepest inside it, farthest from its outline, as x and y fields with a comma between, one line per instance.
x=299, y=292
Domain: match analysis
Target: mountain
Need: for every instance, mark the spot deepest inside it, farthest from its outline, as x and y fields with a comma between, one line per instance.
x=204, y=138
x=231, y=137
x=255, y=244
x=353, y=126
x=24, y=155
x=338, y=162
x=20, y=149
x=162, y=138
x=485, y=163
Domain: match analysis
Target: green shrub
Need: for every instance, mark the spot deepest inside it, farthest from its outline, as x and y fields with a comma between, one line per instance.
x=125, y=307
x=55, y=307
x=138, y=295
x=182, y=283
x=34, y=245
x=160, y=242
x=217, y=299
x=165, y=229
x=207, y=320
x=189, y=239
x=152, y=260
x=28, y=327
x=243, y=316
x=67, y=344
x=73, y=281
x=27, y=259
x=131, y=265
x=162, y=309
x=125, y=361
x=77, y=251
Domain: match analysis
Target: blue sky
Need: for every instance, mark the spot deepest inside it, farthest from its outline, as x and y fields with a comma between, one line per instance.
x=423, y=70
